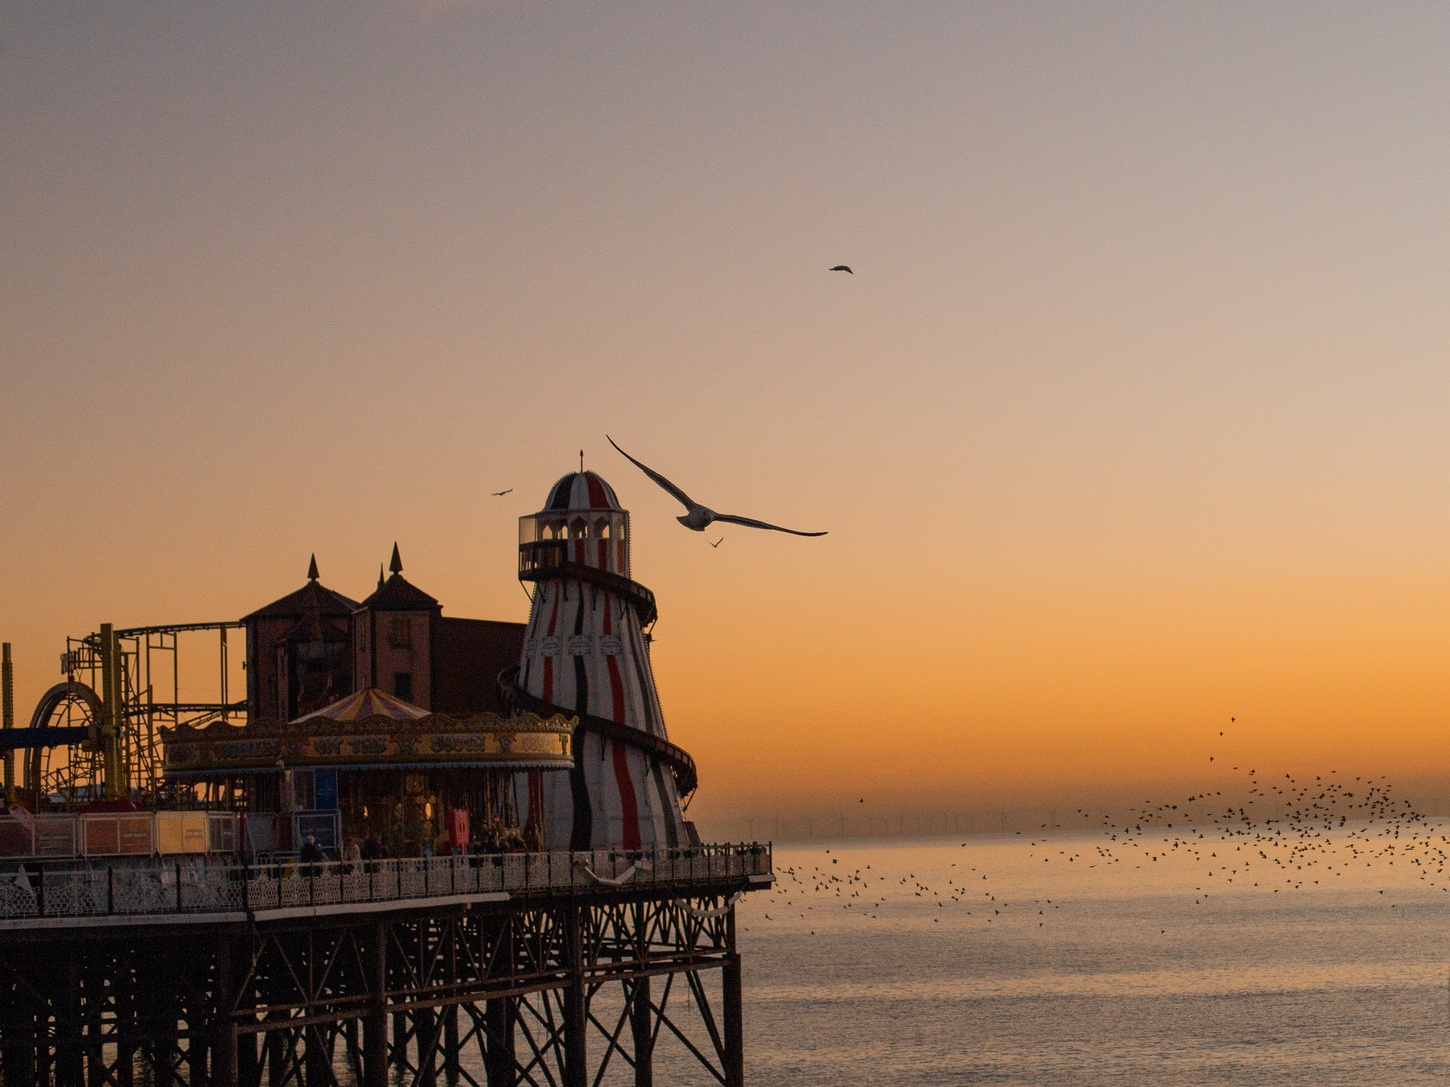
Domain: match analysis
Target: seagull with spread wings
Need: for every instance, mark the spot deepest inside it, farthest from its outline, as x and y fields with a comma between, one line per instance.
x=698, y=517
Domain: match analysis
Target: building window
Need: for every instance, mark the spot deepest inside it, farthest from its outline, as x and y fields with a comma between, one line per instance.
x=401, y=632
x=403, y=685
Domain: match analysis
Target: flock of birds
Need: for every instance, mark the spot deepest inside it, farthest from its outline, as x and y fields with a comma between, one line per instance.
x=801, y=891
x=1271, y=834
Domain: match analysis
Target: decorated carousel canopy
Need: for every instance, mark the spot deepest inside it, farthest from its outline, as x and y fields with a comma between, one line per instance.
x=371, y=730
x=366, y=705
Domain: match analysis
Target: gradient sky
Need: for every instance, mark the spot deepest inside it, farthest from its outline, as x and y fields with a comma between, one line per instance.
x=1133, y=417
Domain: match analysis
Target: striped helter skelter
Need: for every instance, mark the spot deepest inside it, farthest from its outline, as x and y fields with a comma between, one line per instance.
x=585, y=652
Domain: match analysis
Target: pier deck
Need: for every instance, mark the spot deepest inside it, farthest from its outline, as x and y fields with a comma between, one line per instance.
x=549, y=968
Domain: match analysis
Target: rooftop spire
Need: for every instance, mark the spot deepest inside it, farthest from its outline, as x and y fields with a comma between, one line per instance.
x=396, y=566
x=312, y=569
x=380, y=575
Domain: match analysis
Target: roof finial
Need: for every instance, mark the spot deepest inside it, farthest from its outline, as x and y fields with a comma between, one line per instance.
x=380, y=575
x=581, y=460
x=396, y=566
x=312, y=569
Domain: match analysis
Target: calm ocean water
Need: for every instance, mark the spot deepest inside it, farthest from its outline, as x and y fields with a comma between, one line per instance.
x=1002, y=961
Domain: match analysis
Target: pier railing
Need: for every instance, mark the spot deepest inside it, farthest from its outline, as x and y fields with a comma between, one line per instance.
x=197, y=886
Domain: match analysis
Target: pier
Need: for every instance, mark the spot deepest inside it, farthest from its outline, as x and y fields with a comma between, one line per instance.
x=564, y=969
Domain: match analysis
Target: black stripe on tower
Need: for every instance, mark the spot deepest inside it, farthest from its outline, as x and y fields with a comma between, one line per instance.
x=583, y=831
x=645, y=687
x=659, y=775
x=563, y=492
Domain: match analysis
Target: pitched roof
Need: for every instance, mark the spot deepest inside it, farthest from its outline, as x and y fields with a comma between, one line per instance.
x=313, y=596
x=399, y=594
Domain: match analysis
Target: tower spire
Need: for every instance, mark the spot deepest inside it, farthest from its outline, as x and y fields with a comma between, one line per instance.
x=380, y=575
x=312, y=569
x=396, y=566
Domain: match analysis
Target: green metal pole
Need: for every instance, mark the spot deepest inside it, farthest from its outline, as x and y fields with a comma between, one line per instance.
x=7, y=714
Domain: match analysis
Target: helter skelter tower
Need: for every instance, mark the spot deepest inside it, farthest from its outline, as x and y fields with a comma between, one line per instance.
x=586, y=654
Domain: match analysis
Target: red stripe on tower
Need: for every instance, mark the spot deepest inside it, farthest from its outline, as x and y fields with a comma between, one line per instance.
x=598, y=500
x=627, y=803
x=616, y=689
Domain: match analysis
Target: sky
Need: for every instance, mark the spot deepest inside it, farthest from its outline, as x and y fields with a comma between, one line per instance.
x=1130, y=420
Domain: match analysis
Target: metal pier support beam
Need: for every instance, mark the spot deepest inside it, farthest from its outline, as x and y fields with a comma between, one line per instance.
x=499, y=1067
x=641, y=1019
x=225, y=1068
x=734, y=1017
x=451, y=1063
x=375, y=1025
x=576, y=1071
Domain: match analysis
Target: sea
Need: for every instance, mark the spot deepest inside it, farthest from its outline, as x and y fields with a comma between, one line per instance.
x=1065, y=958
x=1222, y=958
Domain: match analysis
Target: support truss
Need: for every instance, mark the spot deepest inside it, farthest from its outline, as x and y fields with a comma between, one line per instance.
x=568, y=991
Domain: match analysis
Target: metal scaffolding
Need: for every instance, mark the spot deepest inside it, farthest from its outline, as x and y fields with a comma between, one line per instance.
x=96, y=733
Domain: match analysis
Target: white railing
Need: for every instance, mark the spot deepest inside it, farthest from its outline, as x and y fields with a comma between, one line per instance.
x=203, y=886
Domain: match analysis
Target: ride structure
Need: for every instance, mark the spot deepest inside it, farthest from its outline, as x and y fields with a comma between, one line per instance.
x=96, y=734
x=586, y=653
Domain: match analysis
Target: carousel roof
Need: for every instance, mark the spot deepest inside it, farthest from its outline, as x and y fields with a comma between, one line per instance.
x=367, y=704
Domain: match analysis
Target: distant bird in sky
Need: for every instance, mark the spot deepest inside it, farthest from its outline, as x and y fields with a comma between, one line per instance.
x=698, y=517
x=843, y=268
x=718, y=542
x=500, y=494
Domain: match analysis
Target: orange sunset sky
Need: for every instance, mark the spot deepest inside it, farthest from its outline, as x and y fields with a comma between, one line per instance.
x=1131, y=419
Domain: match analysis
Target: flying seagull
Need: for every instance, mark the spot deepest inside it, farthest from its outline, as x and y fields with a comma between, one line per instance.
x=718, y=542
x=843, y=268
x=500, y=494
x=698, y=517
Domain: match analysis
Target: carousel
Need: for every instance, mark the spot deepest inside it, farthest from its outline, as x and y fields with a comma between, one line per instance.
x=374, y=772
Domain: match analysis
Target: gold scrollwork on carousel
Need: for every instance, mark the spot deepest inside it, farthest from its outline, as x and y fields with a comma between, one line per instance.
x=525, y=740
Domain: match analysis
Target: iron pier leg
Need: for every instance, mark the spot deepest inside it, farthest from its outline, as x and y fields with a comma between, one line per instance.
x=375, y=1027
x=125, y=999
x=224, y=1070
x=576, y=1074
x=425, y=1031
x=500, y=1067
x=249, y=1067
x=734, y=1019
x=316, y=1054
x=501, y=1012
x=450, y=1046
x=641, y=1020
x=21, y=1045
x=400, y=1039
x=642, y=1025
x=94, y=991
x=69, y=1042
x=274, y=1044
